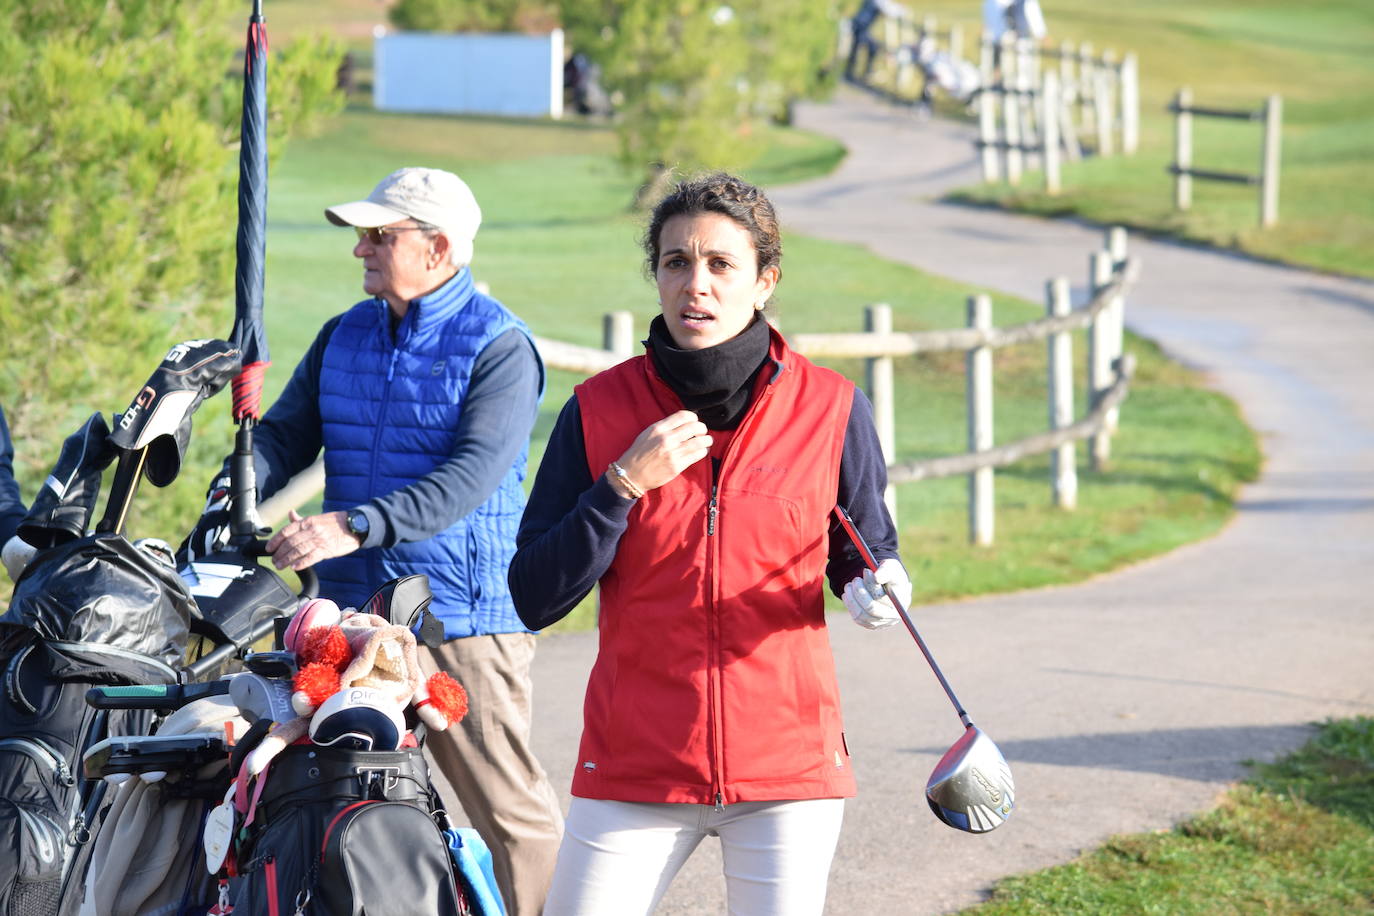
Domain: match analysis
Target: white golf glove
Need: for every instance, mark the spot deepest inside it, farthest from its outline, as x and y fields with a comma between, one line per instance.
x=16, y=555
x=867, y=602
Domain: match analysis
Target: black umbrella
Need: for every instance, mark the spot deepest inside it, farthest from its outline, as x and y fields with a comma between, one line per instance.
x=249, y=334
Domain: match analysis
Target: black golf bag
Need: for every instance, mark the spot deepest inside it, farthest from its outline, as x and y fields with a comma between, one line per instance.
x=324, y=829
x=95, y=611
x=99, y=611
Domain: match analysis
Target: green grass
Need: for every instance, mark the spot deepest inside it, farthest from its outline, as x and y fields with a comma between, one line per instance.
x=559, y=247
x=1232, y=54
x=1298, y=837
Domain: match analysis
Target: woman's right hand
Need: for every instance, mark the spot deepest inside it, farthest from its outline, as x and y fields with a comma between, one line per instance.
x=663, y=450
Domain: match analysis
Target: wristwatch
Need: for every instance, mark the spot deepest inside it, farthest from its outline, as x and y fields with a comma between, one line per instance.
x=358, y=524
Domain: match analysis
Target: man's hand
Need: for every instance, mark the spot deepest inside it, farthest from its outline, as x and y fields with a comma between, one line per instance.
x=306, y=541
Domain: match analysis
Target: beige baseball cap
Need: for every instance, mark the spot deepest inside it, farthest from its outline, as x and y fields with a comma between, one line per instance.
x=431, y=196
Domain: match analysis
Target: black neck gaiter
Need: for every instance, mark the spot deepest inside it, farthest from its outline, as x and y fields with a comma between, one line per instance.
x=715, y=383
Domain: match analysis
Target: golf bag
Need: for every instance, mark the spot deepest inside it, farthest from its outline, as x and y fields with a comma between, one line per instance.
x=351, y=832
x=95, y=611
x=323, y=829
x=99, y=611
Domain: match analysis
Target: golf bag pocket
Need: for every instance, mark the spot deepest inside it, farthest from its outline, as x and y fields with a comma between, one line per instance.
x=344, y=832
x=48, y=812
x=36, y=810
x=381, y=858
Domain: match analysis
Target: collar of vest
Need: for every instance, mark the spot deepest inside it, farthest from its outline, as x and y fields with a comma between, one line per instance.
x=436, y=307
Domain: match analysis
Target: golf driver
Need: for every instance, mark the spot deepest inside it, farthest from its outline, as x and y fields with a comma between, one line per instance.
x=971, y=787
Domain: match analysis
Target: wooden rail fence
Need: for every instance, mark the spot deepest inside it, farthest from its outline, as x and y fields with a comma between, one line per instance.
x=1109, y=372
x=1026, y=107
x=1271, y=113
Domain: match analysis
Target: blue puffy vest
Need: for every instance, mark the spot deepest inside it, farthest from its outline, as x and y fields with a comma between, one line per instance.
x=389, y=410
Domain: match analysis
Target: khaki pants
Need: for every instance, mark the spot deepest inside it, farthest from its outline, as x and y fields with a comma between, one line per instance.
x=489, y=767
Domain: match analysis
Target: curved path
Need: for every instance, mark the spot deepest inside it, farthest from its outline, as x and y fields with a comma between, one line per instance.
x=1127, y=703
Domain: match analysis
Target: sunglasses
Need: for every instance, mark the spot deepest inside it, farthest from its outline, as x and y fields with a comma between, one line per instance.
x=377, y=234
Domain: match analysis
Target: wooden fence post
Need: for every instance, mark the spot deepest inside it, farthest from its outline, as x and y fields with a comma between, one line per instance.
x=1183, y=149
x=878, y=369
x=1063, y=467
x=1011, y=107
x=1099, y=356
x=1026, y=83
x=1116, y=330
x=1087, y=79
x=987, y=131
x=1103, y=107
x=1269, y=161
x=618, y=333
x=1049, y=131
x=1130, y=104
x=979, y=388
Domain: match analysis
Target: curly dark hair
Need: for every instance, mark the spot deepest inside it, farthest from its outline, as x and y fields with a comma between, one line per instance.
x=719, y=192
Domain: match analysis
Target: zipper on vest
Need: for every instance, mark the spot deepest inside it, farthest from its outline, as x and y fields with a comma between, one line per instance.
x=713, y=507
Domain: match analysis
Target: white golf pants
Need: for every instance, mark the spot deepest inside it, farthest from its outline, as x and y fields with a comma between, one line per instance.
x=618, y=858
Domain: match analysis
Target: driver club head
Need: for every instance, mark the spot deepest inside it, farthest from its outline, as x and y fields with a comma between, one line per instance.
x=971, y=787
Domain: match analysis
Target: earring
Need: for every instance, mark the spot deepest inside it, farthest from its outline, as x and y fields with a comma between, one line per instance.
x=760, y=306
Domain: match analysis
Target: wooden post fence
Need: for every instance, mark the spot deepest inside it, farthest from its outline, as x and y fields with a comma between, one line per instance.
x=1183, y=170
x=979, y=390
x=879, y=345
x=1029, y=105
x=1063, y=462
x=881, y=391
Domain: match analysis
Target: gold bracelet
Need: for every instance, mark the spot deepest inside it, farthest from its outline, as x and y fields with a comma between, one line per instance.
x=619, y=472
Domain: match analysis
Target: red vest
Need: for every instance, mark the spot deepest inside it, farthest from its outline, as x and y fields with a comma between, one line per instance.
x=715, y=681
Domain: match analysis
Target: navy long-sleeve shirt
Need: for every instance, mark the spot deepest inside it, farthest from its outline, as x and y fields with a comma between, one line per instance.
x=501, y=404
x=12, y=509
x=573, y=523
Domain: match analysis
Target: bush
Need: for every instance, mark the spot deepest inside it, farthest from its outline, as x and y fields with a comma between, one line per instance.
x=117, y=198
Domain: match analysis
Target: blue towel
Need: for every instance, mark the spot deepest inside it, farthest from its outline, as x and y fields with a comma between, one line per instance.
x=473, y=858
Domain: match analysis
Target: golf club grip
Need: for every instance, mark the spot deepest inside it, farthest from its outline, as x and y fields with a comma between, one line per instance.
x=857, y=538
x=152, y=696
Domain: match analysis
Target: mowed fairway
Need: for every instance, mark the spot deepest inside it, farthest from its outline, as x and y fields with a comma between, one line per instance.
x=559, y=247
x=1232, y=54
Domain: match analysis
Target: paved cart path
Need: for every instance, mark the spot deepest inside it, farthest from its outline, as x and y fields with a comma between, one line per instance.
x=1127, y=703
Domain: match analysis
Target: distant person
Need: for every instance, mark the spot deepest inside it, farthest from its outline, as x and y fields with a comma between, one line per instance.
x=1023, y=18
x=695, y=483
x=582, y=84
x=12, y=509
x=422, y=398
x=860, y=26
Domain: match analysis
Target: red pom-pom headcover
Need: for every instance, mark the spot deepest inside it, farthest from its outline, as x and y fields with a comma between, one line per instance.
x=327, y=646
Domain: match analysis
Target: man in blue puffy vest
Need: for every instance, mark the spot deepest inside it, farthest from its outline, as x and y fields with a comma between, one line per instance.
x=422, y=398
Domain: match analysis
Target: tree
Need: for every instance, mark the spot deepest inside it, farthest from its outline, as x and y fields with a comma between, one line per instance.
x=474, y=15
x=696, y=76
x=118, y=171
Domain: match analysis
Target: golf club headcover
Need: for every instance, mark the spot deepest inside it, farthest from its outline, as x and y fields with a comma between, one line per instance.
x=359, y=718
x=211, y=532
x=62, y=510
x=159, y=417
x=868, y=604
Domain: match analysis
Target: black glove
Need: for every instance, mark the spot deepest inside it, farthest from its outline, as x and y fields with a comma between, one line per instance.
x=63, y=507
x=211, y=533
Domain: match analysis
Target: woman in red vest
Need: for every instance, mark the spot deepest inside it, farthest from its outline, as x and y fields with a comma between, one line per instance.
x=695, y=484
